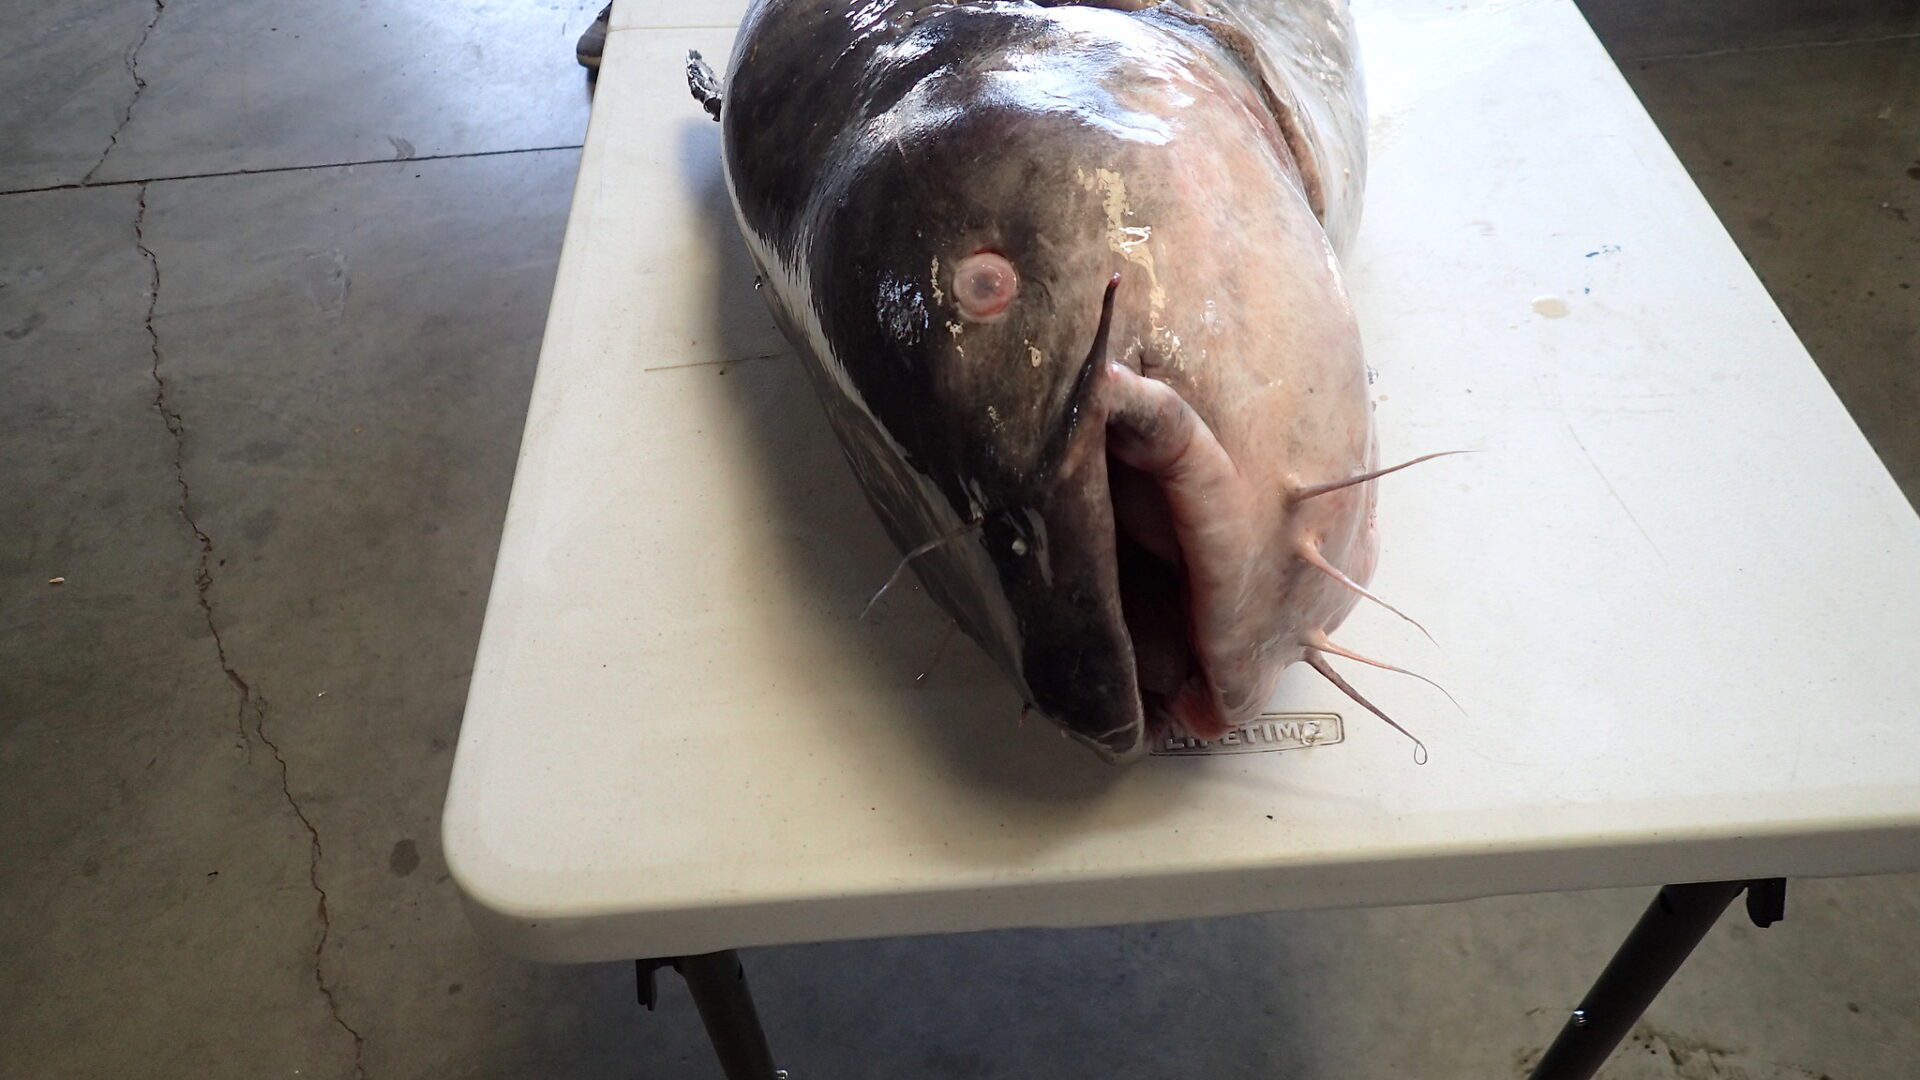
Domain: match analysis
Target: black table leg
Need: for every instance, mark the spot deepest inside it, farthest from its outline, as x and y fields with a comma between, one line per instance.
x=719, y=986
x=1660, y=942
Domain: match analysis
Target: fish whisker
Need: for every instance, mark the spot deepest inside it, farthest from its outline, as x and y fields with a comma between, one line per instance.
x=916, y=553
x=1319, y=663
x=1303, y=494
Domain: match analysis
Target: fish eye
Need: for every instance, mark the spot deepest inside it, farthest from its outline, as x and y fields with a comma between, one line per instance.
x=984, y=284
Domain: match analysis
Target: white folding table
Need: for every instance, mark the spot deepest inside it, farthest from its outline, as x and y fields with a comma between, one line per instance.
x=1677, y=594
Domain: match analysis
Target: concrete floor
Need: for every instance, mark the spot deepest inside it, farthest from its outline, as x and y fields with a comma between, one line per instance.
x=272, y=281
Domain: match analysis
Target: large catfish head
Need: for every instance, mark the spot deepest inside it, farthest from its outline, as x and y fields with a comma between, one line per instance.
x=1074, y=315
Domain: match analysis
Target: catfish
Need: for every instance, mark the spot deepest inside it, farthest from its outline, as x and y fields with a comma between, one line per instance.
x=1066, y=279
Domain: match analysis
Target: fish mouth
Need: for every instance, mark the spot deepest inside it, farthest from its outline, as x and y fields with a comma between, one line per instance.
x=1156, y=608
x=1109, y=650
x=1111, y=635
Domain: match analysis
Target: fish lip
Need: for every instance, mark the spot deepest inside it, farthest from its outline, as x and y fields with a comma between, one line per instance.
x=1073, y=654
x=1077, y=657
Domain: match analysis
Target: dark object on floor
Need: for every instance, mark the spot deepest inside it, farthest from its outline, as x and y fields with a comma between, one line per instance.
x=594, y=41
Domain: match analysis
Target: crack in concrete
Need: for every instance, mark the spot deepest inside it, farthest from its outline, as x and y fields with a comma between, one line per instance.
x=269, y=170
x=132, y=60
x=250, y=702
x=314, y=855
x=1778, y=46
x=177, y=428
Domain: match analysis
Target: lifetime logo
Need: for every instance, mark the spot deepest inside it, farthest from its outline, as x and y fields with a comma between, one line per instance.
x=1272, y=731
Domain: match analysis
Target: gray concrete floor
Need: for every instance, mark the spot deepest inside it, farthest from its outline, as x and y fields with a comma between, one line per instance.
x=272, y=281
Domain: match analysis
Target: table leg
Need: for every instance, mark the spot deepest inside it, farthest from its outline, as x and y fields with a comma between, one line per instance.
x=719, y=986
x=1660, y=942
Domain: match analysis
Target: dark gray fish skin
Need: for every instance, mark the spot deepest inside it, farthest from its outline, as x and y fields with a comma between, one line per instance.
x=872, y=144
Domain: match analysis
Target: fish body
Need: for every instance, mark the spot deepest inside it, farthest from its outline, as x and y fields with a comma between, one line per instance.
x=1065, y=277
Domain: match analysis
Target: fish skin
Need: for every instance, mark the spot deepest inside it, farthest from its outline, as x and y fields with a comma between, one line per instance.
x=1209, y=155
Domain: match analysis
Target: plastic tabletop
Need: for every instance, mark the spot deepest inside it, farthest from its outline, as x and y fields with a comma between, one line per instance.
x=1677, y=594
